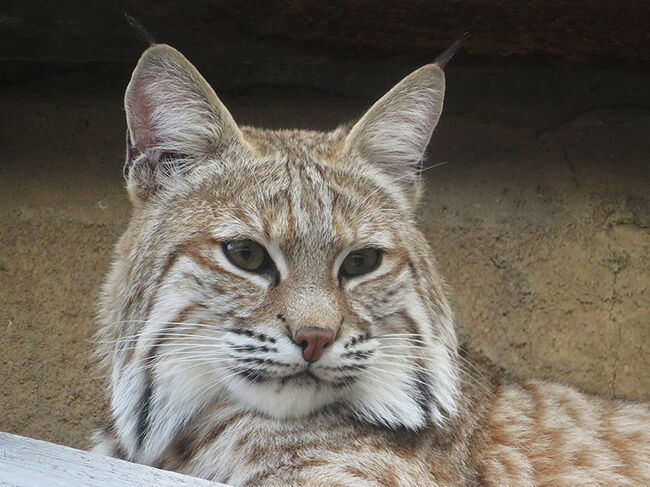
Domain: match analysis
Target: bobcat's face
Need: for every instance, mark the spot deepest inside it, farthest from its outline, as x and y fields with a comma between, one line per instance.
x=280, y=272
x=237, y=327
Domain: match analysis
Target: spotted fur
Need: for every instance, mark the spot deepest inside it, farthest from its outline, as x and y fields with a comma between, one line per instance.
x=204, y=376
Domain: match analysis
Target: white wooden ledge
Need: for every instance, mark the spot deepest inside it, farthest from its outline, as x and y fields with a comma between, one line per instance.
x=33, y=463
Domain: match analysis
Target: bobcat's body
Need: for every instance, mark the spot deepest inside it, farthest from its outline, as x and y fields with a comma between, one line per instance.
x=208, y=375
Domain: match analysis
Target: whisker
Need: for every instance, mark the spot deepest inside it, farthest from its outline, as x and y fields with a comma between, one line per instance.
x=212, y=384
x=233, y=375
x=407, y=346
x=190, y=361
x=401, y=335
x=364, y=371
x=205, y=354
x=179, y=323
x=395, y=374
x=415, y=357
x=149, y=333
x=173, y=332
x=185, y=343
x=157, y=335
x=471, y=365
x=165, y=322
x=407, y=174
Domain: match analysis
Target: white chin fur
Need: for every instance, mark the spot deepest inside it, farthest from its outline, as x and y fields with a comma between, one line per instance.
x=396, y=406
x=393, y=401
x=280, y=401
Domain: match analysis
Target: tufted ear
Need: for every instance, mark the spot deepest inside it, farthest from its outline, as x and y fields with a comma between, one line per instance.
x=174, y=119
x=393, y=135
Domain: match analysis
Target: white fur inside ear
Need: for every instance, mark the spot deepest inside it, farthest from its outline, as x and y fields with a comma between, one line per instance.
x=174, y=121
x=393, y=135
x=171, y=108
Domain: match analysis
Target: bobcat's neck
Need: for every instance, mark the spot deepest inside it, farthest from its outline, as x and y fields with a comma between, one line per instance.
x=237, y=447
x=245, y=448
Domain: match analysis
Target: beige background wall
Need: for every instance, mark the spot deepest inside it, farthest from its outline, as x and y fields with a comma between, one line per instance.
x=539, y=211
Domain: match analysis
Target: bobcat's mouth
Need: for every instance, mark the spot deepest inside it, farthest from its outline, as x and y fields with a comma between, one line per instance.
x=304, y=377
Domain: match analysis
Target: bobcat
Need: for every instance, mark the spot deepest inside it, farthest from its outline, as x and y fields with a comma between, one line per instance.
x=274, y=317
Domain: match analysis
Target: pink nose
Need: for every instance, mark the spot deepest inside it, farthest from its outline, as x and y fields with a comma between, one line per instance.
x=314, y=339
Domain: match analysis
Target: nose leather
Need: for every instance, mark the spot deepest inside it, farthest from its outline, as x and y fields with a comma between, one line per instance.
x=314, y=339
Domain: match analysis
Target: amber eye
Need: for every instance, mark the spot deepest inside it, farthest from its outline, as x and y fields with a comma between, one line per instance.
x=246, y=254
x=361, y=262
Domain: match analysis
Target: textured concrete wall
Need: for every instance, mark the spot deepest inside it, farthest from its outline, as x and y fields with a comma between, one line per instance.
x=538, y=211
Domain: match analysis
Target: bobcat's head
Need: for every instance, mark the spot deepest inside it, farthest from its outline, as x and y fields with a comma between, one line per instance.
x=279, y=271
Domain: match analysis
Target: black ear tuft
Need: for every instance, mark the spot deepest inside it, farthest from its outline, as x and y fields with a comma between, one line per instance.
x=140, y=30
x=446, y=56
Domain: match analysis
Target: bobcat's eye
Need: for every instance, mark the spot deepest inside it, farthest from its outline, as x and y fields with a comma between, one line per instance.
x=361, y=262
x=246, y=254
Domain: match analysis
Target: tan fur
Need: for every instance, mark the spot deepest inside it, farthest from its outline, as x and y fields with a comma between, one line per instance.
x=204, y=376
